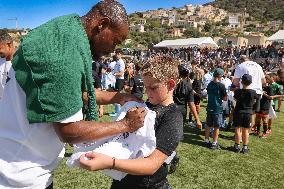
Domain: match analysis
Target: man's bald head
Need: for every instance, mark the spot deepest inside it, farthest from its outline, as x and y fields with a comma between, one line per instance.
x=106, y=25
x=111, y=9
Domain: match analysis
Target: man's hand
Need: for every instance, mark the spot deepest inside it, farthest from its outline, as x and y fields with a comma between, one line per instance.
x=122, y=98
x=135, y=118
x=95, y=161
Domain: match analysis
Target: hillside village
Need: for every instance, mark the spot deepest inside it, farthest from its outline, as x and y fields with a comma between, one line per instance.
x=239, y=28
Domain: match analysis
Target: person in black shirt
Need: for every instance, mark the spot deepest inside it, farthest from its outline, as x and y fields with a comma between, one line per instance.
x=97, y=68
x=196, y=86
x=262, y=115
x=137, y=85
x=150, y=172
x=243, y=113
x=183, y=96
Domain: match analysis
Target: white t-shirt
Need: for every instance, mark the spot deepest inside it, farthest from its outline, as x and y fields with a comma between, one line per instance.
x=28, y=152
x=110, y=78
x=253, y=69
x=119, y=67
x=227, y=82
x=207, y=79
x=140, y=143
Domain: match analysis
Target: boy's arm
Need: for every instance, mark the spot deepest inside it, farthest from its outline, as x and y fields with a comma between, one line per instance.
x=267, y=96
x=276, y=96
x=269, y=93
x=167, y=140
x=140, y=166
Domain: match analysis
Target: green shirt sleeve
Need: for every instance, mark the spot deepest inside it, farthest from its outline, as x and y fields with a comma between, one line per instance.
x=53, y=67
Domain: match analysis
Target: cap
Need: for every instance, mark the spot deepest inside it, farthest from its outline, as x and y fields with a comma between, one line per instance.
x=246, y=79
x=218, y=72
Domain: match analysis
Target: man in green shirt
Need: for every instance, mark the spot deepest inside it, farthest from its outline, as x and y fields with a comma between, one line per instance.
x=42, y=103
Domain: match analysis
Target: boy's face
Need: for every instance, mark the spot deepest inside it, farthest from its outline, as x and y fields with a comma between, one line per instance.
x=157, y=92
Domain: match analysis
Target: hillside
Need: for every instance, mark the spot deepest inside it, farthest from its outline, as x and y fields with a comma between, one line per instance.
x=263, y=10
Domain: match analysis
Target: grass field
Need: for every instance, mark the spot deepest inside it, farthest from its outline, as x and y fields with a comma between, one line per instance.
x=201, y=167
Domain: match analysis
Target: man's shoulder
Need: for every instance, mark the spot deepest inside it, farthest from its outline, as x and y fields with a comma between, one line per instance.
x=60, y=20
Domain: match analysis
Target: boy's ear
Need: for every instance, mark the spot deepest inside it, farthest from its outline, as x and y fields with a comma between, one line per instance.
x=172, y=84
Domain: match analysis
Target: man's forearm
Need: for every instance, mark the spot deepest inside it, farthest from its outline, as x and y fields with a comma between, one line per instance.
x=106, y=97
x=84, y=131
x=119, y=74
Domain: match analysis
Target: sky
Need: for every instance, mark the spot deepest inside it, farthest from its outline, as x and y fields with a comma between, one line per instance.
x=32, y=13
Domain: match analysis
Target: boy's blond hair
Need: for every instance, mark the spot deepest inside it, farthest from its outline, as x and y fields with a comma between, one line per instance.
x=161, y=67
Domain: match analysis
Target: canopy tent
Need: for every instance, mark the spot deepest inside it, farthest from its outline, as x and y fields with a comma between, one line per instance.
x=190, y=42
x=278, y=36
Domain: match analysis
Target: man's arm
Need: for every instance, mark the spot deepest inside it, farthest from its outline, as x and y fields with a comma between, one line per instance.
x=107, y=97
x=82, y=131
x=192, y=107
x=195, y=114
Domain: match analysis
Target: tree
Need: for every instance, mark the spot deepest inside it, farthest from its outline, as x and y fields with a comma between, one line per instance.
x=208, y=26
x=191, y=32
x=251, y=28
x=225, y=21
x=152, y=23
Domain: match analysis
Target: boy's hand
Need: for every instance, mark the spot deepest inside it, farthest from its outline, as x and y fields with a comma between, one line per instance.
x=135, y=118
x=95, y=161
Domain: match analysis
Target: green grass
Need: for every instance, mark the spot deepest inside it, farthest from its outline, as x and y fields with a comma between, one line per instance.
x=200, y=167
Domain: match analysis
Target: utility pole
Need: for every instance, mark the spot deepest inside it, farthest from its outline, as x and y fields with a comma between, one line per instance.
x=16, y=20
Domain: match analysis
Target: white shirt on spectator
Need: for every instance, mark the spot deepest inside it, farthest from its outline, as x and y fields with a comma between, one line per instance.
x=119, y=67
x=253, y=69
x=4, y=69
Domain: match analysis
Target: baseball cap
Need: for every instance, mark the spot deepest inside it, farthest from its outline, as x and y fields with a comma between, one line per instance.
x=218, y=72
x=246, y=79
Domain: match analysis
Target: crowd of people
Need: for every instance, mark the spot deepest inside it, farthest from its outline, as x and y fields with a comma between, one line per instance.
x=52, y=83
x=199, y=69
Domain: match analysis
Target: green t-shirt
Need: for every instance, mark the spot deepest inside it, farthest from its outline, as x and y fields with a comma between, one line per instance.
x=216, y=92
x=53, y=67
x=276, y=90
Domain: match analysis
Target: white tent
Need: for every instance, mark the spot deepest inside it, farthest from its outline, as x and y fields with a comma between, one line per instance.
x=190, y=42
x=278, y=36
